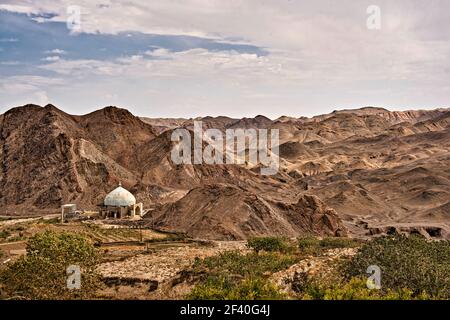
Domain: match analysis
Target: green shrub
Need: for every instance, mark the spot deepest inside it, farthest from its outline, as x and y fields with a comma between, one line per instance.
x=234, y=275
x=309, y=244
x=356, y=289
x=251, y=264
x=406, y=262
x=322, y=288
x=17, y=228
x=338, y=242
x=222, y=288
x=51, y=221
x=4, y=234
x=41, y=274
x=268, y=244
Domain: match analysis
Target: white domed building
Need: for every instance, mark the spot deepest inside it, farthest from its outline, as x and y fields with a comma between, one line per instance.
x=120, y=203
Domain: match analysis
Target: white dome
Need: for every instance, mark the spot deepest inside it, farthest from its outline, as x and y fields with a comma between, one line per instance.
x=120, y=197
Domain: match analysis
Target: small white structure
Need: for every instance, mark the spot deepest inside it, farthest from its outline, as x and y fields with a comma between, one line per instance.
x=120, y=203
x=68, y=210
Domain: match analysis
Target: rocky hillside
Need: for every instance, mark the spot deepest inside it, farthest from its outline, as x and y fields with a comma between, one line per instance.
x=49, y=157
x=367, y=171
x=227, y=212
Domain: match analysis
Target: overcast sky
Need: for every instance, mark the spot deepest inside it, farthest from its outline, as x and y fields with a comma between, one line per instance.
x=238, y=58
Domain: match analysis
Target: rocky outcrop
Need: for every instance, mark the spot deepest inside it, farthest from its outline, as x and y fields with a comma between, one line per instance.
x=226, y=212
x=49, y=157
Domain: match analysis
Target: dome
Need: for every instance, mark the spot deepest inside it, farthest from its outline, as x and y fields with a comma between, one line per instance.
x=120, y=197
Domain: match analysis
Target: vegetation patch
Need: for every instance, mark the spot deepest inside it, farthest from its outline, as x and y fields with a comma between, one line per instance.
x=42, y=273
x=268, y=244
x=354, y=289
x=250, y=264
x=313, y=245
x=234, y=275
x=223, y=288
x=51, y=221
x=406, y=262
x=4, y=234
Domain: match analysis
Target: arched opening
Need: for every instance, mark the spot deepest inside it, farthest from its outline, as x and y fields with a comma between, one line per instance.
x=137, y=210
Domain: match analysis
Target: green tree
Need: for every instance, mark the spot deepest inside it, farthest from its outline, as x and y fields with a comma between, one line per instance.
x=268, y=244
x=410, y=262
x=42, y=272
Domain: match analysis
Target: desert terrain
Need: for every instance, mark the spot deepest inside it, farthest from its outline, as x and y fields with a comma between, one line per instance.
x=351, y=174
x=359, y=172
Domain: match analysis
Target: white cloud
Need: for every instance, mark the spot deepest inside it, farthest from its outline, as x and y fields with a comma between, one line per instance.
x=41, y=98
x=83, y=68
x=27, y=81
x=18, y=8
x=56, y=52
x=20, y=90
x=190, y=63
x=9, y=63
x=326, y=37
x=320, y=53
x=51, y=58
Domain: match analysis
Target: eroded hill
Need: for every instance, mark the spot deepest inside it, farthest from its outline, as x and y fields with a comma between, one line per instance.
x=366, y=171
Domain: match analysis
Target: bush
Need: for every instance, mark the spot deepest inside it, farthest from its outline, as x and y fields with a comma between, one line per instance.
x=337, y=242
x=251, y=264
x=17, y=228
x=320, y=288
x=41, y=274
x=4, y=234
x=356, y=289
x=224, y=289
x=233, y=275
x=406, y=262
x=309, y=244
x=268, y=244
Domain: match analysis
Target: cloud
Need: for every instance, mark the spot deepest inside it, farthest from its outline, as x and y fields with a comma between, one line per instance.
x=20, y=84
x=10, y=63
x=83, y=68
x=284, y=24
x=56, y=51
x=18, y=8
x=21, y=90
x=51, y=58
x=189, y=63
x=300, y=55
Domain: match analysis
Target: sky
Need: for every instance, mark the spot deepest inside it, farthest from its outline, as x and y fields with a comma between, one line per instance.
x=239, y=58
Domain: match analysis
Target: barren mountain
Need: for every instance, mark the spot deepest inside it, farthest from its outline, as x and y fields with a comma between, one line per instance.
x=393, y=117
x=49, y=157
x=227, y=212
x=367, y=171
